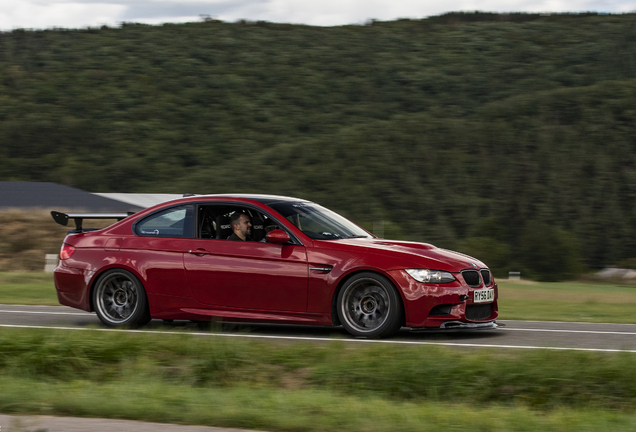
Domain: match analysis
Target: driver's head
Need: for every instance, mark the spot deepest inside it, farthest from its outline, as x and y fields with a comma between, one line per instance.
x=241, y=225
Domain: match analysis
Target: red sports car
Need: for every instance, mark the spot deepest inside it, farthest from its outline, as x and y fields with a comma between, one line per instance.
x=264, y=258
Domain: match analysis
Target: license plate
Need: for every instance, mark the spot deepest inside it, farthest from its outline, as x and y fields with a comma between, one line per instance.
x=484, y=296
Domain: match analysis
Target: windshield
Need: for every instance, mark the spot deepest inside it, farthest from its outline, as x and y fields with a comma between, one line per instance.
x=318, y=222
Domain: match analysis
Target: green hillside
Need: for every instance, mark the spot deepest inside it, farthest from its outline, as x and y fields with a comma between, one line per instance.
x=510, y=137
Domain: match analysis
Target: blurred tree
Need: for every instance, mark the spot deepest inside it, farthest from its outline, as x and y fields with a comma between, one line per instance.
x=455, y=130
x=547, y=253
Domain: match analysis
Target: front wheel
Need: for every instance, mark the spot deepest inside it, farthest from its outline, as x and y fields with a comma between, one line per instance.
x=368, y=305
x=120, y=299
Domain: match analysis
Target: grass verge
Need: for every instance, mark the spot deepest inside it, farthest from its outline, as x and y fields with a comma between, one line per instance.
x=567, y=301
x=540, y=379
x=29, y=288
x=292, y=410
x=280, y=386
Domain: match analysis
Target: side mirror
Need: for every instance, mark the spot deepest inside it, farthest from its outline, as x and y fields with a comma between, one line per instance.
x=277, y=237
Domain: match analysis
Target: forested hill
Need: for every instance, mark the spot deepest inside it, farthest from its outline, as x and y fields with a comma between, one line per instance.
x=511, y=137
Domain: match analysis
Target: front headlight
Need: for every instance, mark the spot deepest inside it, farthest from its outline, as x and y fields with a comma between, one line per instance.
x=430, y=276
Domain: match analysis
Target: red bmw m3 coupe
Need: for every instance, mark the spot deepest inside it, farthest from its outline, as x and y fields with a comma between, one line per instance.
x=299, y=263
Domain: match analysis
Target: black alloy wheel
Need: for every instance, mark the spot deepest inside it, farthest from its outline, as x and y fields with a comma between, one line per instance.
x=120, y=300
x=368, y=305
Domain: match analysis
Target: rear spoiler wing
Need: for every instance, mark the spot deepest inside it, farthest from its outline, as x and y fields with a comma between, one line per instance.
x=62, y=218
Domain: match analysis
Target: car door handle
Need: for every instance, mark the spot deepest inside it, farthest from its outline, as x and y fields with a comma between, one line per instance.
x=199, y=252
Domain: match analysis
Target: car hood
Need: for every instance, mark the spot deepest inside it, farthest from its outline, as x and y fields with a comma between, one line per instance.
x=415, y=255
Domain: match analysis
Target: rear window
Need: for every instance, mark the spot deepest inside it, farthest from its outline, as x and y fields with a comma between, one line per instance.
x=172, y=222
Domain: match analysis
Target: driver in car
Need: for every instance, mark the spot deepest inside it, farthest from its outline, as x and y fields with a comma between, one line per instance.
x=242, y=227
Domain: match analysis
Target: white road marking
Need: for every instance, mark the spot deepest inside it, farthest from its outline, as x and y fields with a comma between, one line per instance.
x=30, y=306
x=46, y=313
x=568, y=331
x=314, y=339
x=565, y=322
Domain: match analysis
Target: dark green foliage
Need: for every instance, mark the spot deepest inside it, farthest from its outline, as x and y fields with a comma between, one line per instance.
x=431, y=125
x=548, y=253
x=542, y=252
x=495, y=253
x=627, y=263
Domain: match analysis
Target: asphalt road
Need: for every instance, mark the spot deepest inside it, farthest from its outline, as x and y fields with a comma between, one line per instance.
x=14, y=423
x=515, y=334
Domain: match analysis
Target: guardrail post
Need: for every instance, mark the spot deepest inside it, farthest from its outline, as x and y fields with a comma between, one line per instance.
x=50, y=262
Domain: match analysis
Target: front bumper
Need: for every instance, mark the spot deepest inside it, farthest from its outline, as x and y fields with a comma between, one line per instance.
x=443, y=306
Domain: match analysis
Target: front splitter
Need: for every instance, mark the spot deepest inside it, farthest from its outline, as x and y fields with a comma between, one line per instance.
x=458, y=325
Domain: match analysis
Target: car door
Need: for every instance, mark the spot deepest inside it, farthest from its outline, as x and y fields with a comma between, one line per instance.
x=248, y=275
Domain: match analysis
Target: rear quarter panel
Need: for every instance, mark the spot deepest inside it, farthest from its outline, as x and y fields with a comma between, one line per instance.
x=156, y=262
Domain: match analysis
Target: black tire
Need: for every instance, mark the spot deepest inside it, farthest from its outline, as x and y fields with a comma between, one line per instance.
x=368, y=305
x=120, y=300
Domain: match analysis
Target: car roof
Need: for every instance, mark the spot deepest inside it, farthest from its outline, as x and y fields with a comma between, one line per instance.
x=262, y=198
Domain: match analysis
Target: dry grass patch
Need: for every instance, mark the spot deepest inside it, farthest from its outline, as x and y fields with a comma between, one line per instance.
x=26, y=236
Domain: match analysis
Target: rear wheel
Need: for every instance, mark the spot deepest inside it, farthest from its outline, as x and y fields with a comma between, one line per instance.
x=368, y=305
x=120, y=299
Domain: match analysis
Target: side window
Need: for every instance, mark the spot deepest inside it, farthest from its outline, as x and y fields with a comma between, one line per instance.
x=214, y=222
x=172, y=222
